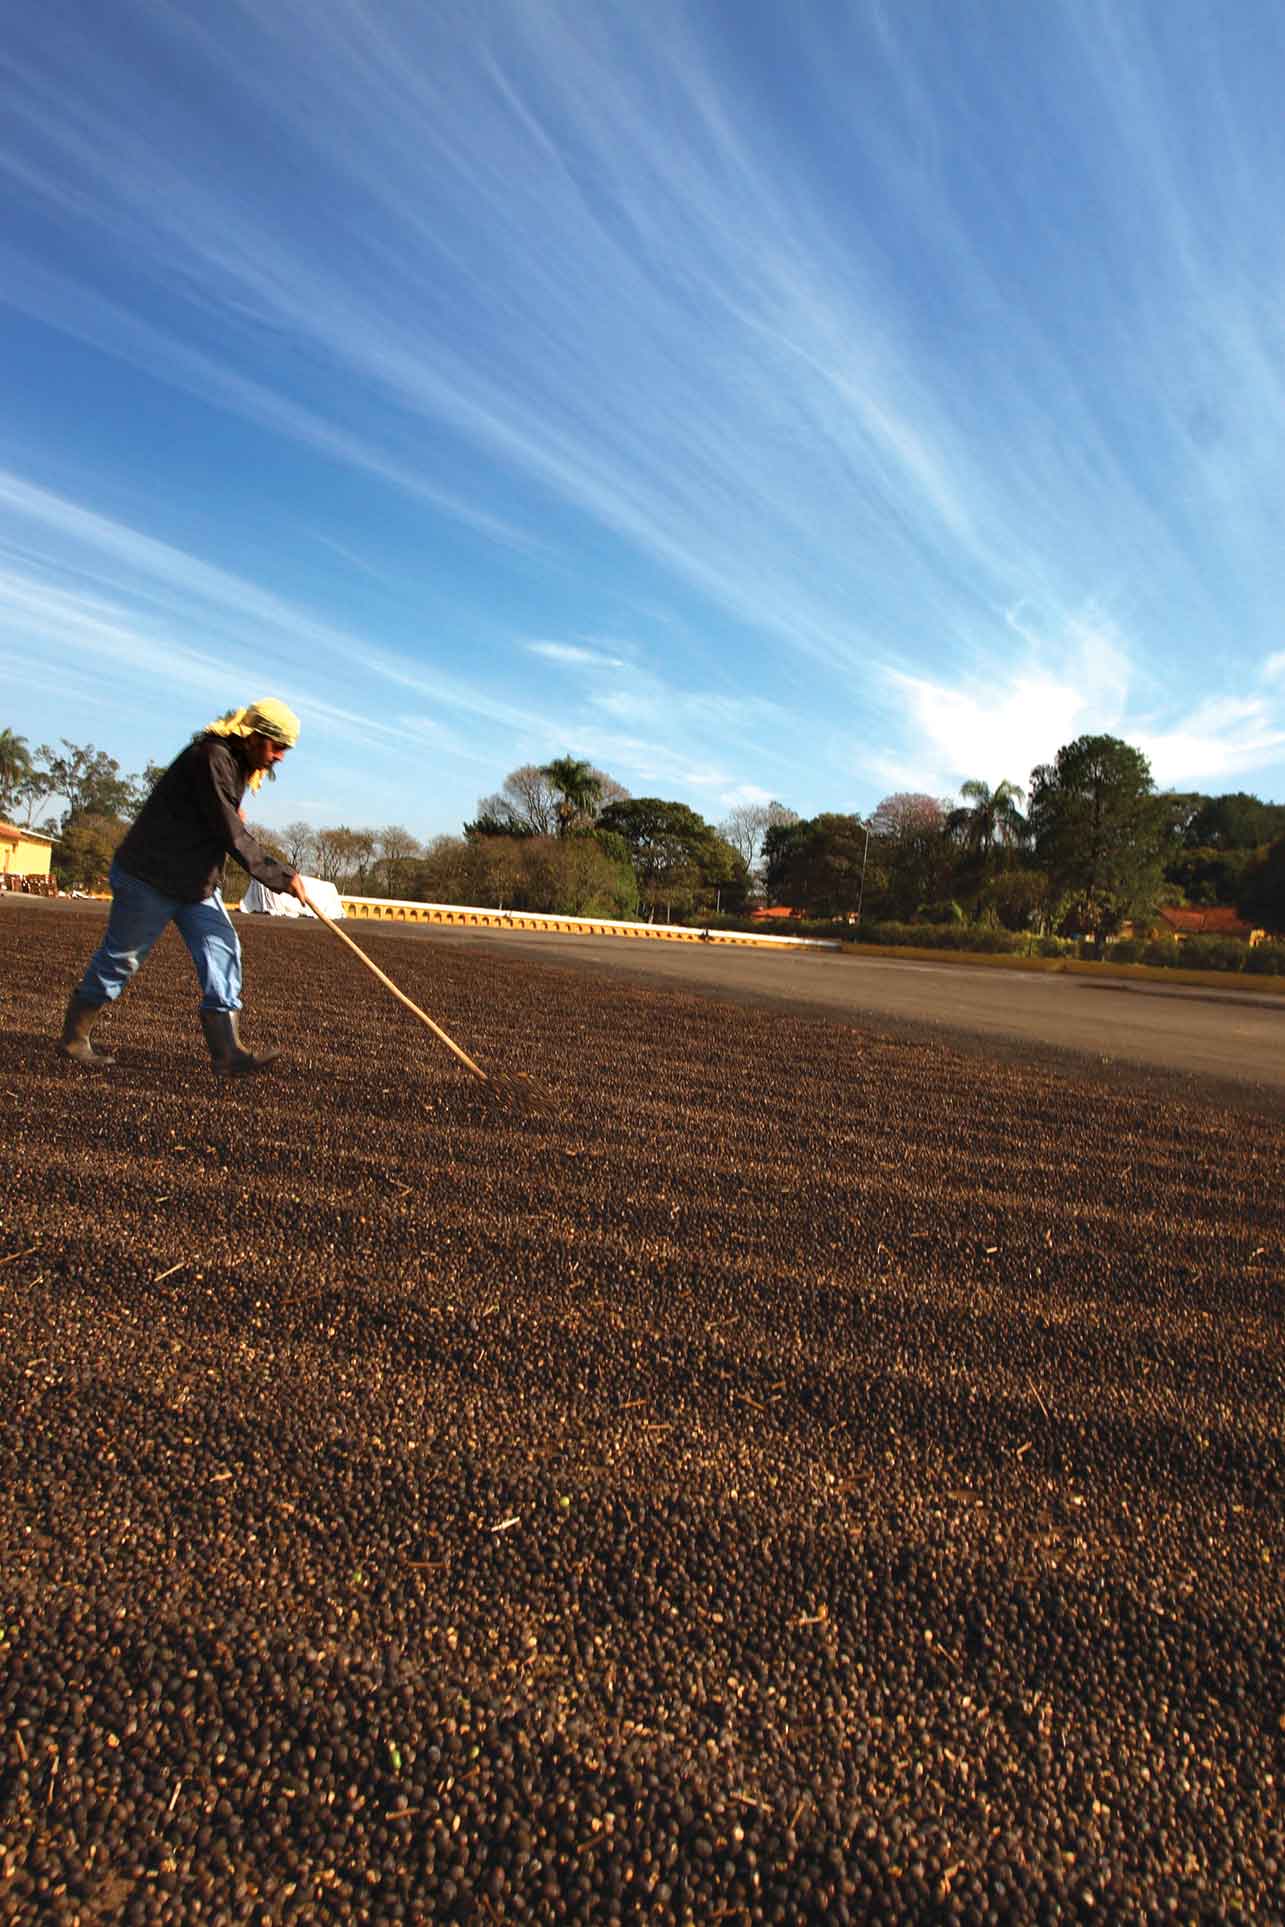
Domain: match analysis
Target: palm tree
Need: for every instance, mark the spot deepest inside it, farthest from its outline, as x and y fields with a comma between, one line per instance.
x=993, y=820
x=578, y=787
x=15, y=766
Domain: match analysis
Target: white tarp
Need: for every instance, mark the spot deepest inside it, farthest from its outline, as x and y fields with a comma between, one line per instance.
x=277, y=903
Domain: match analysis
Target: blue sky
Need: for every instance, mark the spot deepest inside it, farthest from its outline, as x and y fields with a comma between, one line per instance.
x=761, y=398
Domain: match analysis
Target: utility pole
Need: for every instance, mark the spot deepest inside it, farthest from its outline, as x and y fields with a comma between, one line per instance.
x=861, y=888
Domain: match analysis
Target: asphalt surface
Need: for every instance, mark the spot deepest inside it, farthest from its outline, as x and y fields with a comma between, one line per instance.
x=1235, y=1037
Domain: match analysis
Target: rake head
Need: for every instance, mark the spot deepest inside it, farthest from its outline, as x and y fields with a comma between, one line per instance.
x=514, y=1092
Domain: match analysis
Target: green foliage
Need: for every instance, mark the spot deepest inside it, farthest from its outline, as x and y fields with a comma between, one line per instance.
x=1236, y=821
x=494, y=819
x=1207, y=875
x=680, y=862
x=15, y=769
x=556, y=798
x=1202, y=953
x=943, y=936
x=1266, y=960
x=90, y=783
x=1100, y=831
x=816, y=865
x=1017, y=897
x=1262, y=893
x=912, y=859
x=345, y=857
x=564, y=876
x=990, y=820
x=83, y=853
x=574, y=876
x=577, y=786
x=1213, y=953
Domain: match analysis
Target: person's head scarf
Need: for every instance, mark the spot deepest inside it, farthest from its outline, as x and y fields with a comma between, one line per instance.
x=267, y=717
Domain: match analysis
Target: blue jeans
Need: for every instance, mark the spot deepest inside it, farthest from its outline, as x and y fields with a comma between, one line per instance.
x=138, y=916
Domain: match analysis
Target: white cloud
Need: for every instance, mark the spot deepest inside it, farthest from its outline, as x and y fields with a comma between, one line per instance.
x=1216, y=742
x=574, y=656
x=988, y=731
x=742, y=794
x=1274, y=668
x=1010, y=721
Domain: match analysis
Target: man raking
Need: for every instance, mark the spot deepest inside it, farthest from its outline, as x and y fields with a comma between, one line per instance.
x=169, y=869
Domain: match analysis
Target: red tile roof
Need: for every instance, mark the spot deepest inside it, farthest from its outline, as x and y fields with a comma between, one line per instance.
x=1220, y=920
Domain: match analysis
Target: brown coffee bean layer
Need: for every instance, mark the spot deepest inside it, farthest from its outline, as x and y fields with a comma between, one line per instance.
x=809, y=1473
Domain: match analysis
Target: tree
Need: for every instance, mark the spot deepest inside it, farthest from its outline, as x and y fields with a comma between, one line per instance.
x=270, y=840
x=577, y=789
x=298, y=839
x=353, y=853
x=1233, y=822
x=990, y=819
x=329, y=851
x=398, y=850
x=817, y=866
x=28, y=794
x=1262, y=899
x=457, y=869
x=576, y=876
x=1209, y=875
x=911, y=852
x=83, y=853
x=680, y=862
x=528, y=802
x=747, y=825
x=1100, y=831
x=528, y=793
x=90, y=782
x=15, y=768
x=1016, y=898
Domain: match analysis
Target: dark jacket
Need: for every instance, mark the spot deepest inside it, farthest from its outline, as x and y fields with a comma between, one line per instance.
x=190, y=823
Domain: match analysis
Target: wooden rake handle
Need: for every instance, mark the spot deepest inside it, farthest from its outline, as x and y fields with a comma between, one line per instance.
x=401, y=997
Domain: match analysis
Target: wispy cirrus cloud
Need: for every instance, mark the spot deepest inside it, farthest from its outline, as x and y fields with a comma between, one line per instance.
x=838, y=346
x=103, y=606
x=573, y=655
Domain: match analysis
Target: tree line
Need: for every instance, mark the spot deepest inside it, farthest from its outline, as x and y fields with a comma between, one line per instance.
x=1086, y=846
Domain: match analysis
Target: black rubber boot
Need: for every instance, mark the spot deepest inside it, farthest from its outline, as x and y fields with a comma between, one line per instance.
x=228, y=1054
x=76, y=1026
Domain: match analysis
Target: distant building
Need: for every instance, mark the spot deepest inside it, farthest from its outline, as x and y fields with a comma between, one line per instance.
x=773, y=913
x=24, y=858
x=1219, y=920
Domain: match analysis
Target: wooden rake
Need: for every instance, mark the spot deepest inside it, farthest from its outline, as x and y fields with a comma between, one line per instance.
x=509, y=1090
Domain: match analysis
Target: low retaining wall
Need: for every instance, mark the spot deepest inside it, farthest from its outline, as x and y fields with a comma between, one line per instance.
x=391, y=910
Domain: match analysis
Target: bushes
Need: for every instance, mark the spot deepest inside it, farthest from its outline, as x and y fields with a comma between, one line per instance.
x=1203, y=953
x=1214, y=953
x=940, y=936
x=1195, y=953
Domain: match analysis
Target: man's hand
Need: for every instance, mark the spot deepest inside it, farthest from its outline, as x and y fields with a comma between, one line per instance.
x=298, y=888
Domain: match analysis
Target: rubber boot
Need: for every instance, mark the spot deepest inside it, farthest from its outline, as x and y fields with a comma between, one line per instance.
x=227, y=1053
x=76, y=1026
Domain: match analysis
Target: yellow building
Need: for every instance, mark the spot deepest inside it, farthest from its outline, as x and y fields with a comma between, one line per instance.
x=24, y=854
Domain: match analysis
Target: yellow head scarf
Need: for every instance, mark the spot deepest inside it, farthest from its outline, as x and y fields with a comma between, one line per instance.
x=267, y=718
